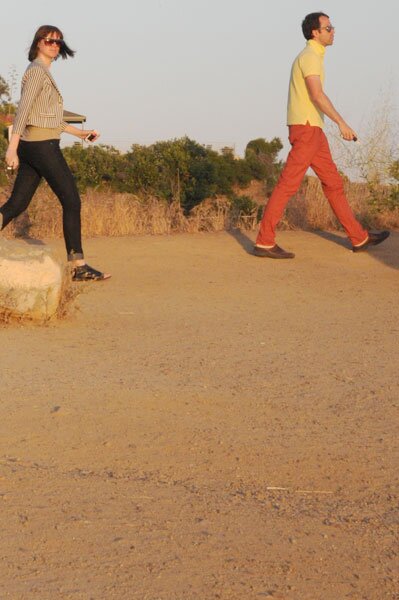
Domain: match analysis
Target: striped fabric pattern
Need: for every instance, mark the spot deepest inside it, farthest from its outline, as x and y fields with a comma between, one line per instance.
x=41, y=103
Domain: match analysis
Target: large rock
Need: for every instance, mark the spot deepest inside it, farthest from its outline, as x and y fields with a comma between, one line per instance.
x=30, y=281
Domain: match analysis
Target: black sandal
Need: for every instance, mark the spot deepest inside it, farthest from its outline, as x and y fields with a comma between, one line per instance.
x=87, y=273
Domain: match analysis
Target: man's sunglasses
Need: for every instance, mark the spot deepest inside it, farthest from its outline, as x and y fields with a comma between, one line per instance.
x=328, y=28
x=51, y=41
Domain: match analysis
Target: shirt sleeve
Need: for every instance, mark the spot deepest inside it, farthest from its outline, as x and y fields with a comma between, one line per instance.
x=63, y=125
x=310, y=64
x=32, y=84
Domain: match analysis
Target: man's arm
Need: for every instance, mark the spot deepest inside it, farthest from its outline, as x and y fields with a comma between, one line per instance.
x=323, y=103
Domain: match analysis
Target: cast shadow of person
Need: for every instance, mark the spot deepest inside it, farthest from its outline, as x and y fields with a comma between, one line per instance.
x=22, y=224
x=242, y=239
x=22, y=230
x=386, y=253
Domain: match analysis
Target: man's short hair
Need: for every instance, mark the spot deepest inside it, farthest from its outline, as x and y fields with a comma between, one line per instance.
x=311, y=22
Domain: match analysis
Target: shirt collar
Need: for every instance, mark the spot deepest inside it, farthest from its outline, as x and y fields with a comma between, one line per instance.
x=318, y=48
x=41, y=63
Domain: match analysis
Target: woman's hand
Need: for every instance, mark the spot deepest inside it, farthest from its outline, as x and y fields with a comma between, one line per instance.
x=82, y=133
x=12, y=160
x=91, y=135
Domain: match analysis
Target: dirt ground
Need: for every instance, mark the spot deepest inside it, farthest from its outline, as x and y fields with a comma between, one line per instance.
x=207, y=425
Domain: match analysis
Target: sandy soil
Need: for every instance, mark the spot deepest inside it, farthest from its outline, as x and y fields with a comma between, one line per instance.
x=207, y=425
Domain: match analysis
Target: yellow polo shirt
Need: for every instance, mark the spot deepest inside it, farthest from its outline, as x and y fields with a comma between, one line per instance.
x=301, y=109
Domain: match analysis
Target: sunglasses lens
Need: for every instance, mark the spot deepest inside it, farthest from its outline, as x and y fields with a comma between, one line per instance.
x=51, y=42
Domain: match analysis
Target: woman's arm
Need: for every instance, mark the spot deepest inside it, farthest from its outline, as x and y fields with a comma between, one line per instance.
x=32, y=84
x=80, y=133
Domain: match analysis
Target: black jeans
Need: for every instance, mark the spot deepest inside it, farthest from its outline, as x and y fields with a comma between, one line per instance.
x=45, y=159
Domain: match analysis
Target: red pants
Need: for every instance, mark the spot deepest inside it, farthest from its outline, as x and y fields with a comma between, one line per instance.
x=309, y=149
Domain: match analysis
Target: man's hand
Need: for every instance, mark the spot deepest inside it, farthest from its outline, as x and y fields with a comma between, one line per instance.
x=346, y=132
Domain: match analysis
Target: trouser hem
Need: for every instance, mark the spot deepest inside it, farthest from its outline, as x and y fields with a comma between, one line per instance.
x=75, y=256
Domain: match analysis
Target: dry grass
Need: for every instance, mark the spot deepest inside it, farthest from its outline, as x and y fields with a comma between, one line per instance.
x=106, y=213
x=112, y=214
x=210, y=215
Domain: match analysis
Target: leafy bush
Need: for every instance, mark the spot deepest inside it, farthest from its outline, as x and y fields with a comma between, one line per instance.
x=244, y=205
x=179, y=169
x=262, y=159
x=95, y=166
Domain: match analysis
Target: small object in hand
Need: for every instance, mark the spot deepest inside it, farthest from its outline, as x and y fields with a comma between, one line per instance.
x=92, y=136
x=354, y=139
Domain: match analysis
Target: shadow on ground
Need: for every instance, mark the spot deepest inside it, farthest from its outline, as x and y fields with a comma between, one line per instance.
x=242, y=239
x=33, y=241
x=387, y=252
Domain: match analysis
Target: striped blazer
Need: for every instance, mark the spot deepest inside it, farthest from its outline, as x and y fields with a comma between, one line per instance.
x=41, y=102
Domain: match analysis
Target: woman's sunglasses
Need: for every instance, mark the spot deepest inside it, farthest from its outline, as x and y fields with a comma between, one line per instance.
x=52, y=41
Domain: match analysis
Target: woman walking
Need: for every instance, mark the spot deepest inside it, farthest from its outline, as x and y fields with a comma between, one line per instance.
x=34, y=147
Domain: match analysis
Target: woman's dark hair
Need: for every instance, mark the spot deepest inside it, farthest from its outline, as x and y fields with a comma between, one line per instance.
x=43, y=32
x=311, y=22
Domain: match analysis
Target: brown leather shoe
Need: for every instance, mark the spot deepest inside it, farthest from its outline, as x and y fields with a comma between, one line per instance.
x=373, y=240
x=274, y=252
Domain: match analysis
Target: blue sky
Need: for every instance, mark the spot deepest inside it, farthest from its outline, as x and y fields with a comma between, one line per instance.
x=215, y=70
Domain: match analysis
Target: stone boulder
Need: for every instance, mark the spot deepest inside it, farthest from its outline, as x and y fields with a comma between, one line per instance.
x=31, y=281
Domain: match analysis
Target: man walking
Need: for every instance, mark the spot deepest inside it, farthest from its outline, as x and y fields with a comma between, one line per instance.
x=307, y=105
